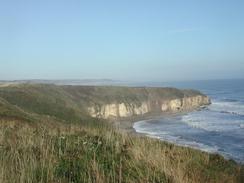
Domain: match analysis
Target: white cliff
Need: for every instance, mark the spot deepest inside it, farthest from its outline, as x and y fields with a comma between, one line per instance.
x=123, y=110
x=118, y=110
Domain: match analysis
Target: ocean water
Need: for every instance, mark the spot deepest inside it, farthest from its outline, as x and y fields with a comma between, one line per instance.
x=218, y=128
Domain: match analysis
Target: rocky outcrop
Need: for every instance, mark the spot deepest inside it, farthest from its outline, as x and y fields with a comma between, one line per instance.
x=123, y=110
x=118, y=110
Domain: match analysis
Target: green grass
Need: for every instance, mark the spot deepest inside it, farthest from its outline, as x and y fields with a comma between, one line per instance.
x=43, y=100
x=100, y=153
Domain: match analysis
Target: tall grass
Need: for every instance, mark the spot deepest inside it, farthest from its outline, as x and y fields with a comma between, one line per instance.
x=57, y=152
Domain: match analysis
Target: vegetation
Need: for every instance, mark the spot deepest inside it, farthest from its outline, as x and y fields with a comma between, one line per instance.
x=39, y=144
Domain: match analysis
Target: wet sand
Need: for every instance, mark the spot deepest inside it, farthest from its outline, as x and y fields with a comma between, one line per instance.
x=126, y=124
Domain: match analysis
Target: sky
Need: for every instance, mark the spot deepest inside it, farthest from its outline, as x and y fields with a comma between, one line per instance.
x=132, y=40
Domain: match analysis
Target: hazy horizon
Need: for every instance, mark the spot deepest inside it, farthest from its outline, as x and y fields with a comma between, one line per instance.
x=126, y=41
x=114, y=81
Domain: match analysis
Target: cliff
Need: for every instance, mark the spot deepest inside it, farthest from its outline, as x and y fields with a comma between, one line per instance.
x=126, y=102
x=118, y=110
x=81, y=102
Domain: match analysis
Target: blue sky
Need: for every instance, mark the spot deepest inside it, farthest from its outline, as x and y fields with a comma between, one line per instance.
x=139, y=40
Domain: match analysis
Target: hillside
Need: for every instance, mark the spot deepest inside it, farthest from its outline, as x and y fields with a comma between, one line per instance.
x=48, y=135
x=75, y=103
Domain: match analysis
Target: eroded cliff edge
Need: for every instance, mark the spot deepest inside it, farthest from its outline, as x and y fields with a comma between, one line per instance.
x=128, y=102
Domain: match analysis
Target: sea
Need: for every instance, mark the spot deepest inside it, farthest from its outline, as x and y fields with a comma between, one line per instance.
x=218, y=128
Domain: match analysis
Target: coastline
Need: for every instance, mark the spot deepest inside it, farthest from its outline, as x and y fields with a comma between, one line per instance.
x=76, y=141
x=126, y=126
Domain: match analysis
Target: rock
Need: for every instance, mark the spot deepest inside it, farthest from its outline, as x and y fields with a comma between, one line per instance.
x=123, y=110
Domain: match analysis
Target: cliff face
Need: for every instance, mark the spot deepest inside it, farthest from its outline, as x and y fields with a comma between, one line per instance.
x=122, y=110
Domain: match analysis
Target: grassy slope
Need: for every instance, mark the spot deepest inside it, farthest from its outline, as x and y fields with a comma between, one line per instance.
x=41, y=99
x=38, y=143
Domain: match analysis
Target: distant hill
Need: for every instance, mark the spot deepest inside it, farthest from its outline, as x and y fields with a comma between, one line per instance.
x=67, y=82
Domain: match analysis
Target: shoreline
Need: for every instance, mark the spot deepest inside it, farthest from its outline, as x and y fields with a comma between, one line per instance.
x=126, y=125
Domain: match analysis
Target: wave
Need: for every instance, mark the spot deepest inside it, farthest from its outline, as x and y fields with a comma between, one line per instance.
x=147, y=128
x=236, y=108
x=205, y=130
x=230, y=100
x=210, y=121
